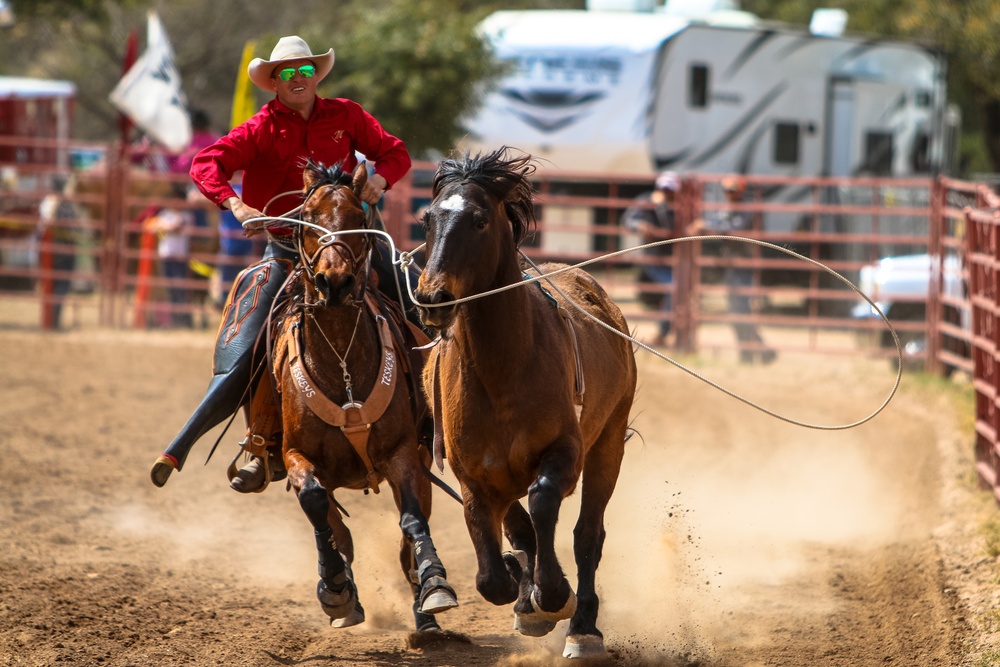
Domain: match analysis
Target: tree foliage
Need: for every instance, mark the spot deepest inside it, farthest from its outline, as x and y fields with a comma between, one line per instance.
x=416, y=68
x=418, y=65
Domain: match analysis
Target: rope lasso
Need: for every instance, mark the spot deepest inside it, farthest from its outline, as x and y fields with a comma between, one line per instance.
x=406, y=259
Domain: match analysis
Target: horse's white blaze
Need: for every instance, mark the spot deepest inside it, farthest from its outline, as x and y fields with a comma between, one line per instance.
x=453, y=203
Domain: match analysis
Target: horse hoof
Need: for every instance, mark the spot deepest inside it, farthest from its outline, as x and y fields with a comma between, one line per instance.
x=554, y=616
x=336, y=605
x=520, y=556
x=356, y=617
x=438, y=601
x=438, y=596
x=532, y=625
x=584, y=646
x=516, y=563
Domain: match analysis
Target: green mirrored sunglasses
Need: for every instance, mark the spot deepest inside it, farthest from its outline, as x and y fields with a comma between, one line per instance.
x=307, y=71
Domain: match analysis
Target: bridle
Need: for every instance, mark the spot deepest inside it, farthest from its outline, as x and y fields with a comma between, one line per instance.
x=359, y=263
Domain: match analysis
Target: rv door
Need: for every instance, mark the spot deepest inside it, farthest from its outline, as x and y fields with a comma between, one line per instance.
x=840, y=128
x=871, y=129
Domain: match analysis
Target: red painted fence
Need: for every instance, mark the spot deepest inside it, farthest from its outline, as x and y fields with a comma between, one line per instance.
x=117, y=279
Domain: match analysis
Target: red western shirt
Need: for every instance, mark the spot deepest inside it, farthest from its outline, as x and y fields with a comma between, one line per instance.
x=271, y=149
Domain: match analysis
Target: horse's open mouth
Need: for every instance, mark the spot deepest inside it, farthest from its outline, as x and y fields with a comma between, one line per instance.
x=431, y=314
x=437, y=318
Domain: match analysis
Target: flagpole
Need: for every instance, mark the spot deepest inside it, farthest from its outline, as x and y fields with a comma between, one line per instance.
x=131, y=54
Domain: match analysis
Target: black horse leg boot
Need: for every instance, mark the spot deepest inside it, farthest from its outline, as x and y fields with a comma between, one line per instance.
x=246, y=312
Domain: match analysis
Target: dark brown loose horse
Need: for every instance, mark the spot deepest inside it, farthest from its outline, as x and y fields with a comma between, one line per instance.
x=528, y=393
x=348, y=420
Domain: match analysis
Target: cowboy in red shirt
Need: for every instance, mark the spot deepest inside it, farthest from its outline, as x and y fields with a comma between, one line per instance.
x=271, y=149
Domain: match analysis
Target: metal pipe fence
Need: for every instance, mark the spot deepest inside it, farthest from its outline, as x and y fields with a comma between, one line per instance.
x=848, y=224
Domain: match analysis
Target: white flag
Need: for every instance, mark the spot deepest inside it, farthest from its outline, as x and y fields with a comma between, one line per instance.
x=150, y=92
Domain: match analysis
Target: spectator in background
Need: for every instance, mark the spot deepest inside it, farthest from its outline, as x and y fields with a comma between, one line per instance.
x=56, y=212
x=201, y=240
x=202, y=136
x=173, y=248
x=656, y=223
x=728, y=221
x=234, y=248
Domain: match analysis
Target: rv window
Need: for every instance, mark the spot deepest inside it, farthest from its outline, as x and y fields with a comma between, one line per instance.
x=878, y=153
x=786, y=143
x=698, y=88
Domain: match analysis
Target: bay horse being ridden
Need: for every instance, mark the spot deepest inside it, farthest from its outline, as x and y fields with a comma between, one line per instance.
x=348, y=420
x=528, y=393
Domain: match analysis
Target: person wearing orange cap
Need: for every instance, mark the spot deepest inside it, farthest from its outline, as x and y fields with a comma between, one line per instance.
x=271, y=149
x=726, y=221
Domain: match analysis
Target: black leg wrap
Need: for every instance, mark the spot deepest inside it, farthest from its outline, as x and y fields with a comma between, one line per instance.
x=428, y=563
x=331, y=563
x=424, y=622
x=436, y=594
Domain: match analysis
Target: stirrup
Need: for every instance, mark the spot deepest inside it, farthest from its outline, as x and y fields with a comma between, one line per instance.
x=260, y=449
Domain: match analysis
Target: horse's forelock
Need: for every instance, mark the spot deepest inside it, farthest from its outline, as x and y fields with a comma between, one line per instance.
x=324, y=175
x=503, y=176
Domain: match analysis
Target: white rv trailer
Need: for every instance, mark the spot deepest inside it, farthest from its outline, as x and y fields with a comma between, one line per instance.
x=638, y=92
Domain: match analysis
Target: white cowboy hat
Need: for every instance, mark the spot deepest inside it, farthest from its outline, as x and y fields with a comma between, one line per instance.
x=288, y=48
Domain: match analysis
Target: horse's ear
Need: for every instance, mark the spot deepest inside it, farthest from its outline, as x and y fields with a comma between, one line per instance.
x=310, y=177
x=360, y=178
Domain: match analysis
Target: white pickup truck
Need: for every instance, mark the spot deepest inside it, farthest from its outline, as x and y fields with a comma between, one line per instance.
x=900, y=285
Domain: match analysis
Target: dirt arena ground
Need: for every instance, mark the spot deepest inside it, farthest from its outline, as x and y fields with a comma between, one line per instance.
x=734, y=539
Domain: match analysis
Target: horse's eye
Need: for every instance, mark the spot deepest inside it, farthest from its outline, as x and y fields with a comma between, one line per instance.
x=481, y=220
x=425, y=221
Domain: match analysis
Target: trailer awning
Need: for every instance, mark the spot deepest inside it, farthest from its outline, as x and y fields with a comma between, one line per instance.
x=22, y=87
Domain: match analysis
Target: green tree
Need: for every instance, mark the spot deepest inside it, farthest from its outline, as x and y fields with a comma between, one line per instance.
x=92, y=9
x=416, y=65
x=968, y=30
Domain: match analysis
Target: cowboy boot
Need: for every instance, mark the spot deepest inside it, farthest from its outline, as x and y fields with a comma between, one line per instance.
x=246, y=312
x=260, y=471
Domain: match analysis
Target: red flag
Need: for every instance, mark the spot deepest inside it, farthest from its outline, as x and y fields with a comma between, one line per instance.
x=131, y=54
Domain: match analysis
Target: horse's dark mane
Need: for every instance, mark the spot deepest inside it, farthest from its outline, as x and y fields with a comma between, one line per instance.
x=334, y=175
x=503, y=176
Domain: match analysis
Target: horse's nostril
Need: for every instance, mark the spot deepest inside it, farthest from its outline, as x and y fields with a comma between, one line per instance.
x=442, y=296
x=345, y=289
x=322, y=284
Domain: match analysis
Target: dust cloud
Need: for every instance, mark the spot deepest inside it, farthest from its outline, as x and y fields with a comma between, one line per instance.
x=705, y=523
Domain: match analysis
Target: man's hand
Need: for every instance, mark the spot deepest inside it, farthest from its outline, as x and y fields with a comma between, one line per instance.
x=374, y=188
x=243, y=212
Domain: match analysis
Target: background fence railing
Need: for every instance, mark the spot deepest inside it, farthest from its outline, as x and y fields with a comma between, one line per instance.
x=847, y=224
x=96, y=260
